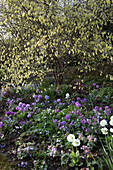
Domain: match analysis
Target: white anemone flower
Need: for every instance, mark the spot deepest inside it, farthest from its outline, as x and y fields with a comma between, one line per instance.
x=70, y=138
x=76, y=142
x=111, y=130
x=67, y=95
x=103, y=122
x=111, y=122
x=111, y=118
x=104, y=131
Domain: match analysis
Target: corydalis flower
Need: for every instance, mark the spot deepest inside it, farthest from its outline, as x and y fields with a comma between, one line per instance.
x=90, y=138
x=86, y=149
x=70, y=138
x=53, y=151
x=81, y=137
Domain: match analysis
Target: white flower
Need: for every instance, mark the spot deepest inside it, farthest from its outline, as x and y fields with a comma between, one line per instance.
x=103, y=122
x=111, y=122
x=76, y=142
x=111, y=130
x=70, y=138
x=104, y=130
x=67, y=95
x=111, y=118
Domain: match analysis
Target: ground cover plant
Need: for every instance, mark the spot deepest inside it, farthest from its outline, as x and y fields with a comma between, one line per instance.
x=68, y=127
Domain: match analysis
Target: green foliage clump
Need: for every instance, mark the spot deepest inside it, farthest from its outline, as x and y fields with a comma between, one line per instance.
x=48, y=36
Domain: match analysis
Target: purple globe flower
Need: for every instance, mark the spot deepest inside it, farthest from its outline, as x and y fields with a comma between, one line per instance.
x=1, y=124
x=58, y=100
x=55, y=120
x=17, y=108
x=20, y=104
x=23, y=105
x=84, y=99
x=20, y=109
x=35, y=96
x=34, y=104
x=27, y=105
x=106, y=107
x=68, y=117
x=56, y=110
x=59, y=124
x=47, y=97
x=8, y=113
x=39, y=96
x=12, y=113
x=94, y=84
x=96, y=108
x=70, y=124
x=87, y=130
x=63, y=122
x=97, y=86
x=78, y=98
x=83, y=121
x=5, y=92
x=23, y=122
x=37, y=90
x=77, y=104
x=29, y=115
x=100, y=109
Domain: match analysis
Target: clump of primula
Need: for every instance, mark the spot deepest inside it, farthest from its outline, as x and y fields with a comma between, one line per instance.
x=52, y=151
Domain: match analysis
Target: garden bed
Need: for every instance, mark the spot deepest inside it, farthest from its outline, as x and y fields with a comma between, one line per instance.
x=37, y=121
